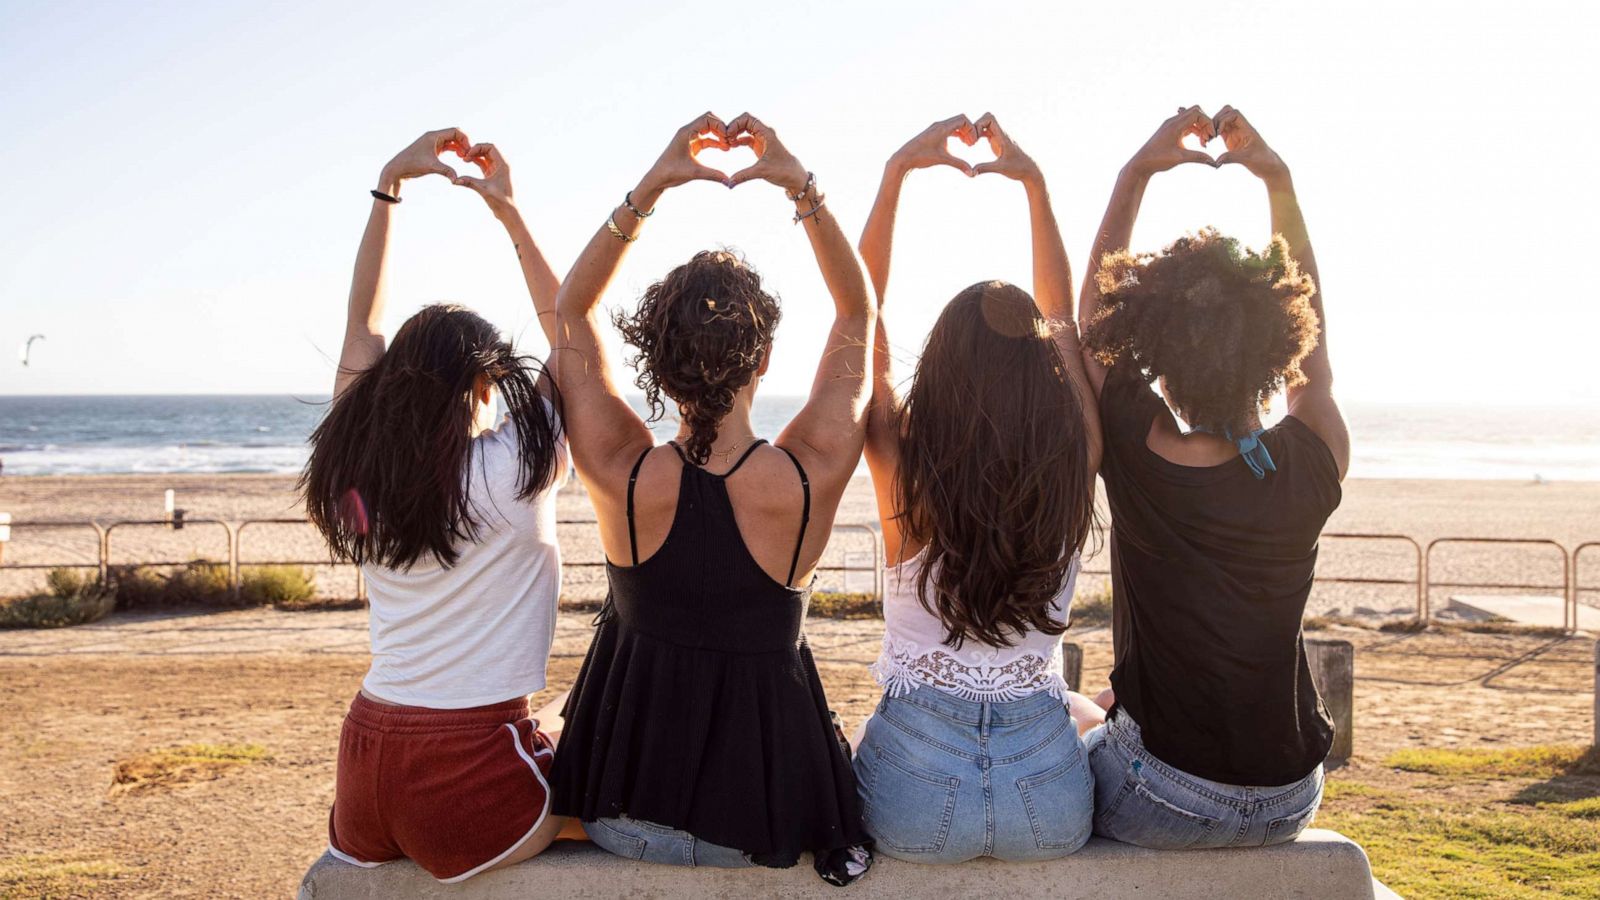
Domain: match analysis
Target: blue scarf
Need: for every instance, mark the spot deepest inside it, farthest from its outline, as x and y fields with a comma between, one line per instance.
x=1255, y=453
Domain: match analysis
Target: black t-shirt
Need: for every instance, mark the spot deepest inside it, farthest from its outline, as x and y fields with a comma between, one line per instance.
x=1210, y=571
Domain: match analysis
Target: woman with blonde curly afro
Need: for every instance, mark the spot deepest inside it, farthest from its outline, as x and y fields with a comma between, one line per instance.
x=1215, y=735
x=697, y=732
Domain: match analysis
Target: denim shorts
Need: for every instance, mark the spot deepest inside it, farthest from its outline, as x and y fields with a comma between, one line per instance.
x=636, y=839
x=1141, y=800
x=944, y=780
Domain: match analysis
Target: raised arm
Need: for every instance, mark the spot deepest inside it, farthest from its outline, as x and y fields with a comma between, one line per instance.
x=605, y=433
x=1052, y=273
x=826, y=435
x=1164, y=150
x=495, y=189
x=877, y=245
x=364, y=340
x=1311, y=402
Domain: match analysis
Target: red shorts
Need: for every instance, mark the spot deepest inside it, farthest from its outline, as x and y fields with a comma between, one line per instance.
x=456, y=790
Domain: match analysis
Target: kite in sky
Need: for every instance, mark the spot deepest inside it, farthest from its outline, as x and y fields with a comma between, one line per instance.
x=27, y=349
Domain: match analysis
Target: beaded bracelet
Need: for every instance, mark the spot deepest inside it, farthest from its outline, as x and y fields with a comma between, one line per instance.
x=627, y=200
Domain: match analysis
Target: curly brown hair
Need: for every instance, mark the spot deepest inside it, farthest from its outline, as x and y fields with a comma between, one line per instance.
x=1225, y=327
x=994, y=468
x=701, y=333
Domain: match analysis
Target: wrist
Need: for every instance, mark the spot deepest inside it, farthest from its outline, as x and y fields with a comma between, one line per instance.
x=1278, y=180
x=793, y=182
x=389, y=182
x=647, y=192
x=1134, y=174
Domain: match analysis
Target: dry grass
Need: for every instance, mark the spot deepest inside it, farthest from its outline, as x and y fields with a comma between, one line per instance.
x=1522, y=762
x=48, y=875
x=181, y=765
x=71, y=599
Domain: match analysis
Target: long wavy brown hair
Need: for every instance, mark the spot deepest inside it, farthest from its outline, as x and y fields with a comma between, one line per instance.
x=387, y=479
x=701, y=333
x=994, y=468
x=1225, y=328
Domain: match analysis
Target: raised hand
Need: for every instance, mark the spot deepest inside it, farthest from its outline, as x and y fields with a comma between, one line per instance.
x=1165, y=149
x=774, y=163
x=678, y=164
x=932, y=146
x=1009, y=160
x=1245, y=146
x=495, y=185
x=422, y=158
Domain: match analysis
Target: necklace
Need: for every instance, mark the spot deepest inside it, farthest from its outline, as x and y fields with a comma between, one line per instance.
x=727, y=454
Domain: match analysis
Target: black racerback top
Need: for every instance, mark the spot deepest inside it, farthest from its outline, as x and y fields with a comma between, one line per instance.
x=698, y=706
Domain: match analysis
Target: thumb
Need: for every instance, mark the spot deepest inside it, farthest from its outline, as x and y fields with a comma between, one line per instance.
x=986, y=168
x=439, y=168
x=1200, y=156
x=740, y=177
x=956, y=162
x=1229, y=158
x=467, y=181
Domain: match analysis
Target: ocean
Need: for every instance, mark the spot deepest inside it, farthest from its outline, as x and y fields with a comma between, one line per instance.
x=209, y=434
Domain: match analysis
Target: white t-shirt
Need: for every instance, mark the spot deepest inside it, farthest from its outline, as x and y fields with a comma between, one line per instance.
x=914, y=651
x=480, y=631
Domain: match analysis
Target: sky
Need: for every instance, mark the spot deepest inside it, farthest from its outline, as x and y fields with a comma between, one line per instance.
x=186, y=184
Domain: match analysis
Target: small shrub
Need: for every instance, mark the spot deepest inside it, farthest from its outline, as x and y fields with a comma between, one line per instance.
x=72, y=599
x=853, y=605
x=286, y=587
x=1090, y=610
x=196, y=584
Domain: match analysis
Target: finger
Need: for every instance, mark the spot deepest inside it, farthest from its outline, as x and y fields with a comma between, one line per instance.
x=485, y=157
x=467, y=181
x=706, y=173
x=450, y=139
x=706, y=124
x=700, y=143
x=968, y=132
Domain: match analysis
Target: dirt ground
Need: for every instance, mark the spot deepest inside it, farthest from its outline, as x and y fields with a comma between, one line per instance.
x=77, y=705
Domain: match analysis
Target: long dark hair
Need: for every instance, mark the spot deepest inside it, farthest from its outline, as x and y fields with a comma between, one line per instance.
x=387, y=479
x=994, y=468
x=701, y=333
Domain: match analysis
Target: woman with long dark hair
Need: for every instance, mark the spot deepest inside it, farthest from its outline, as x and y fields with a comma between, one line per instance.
x=984, y=473
x=451, y=517
x=1215, y=735
x=697, y=732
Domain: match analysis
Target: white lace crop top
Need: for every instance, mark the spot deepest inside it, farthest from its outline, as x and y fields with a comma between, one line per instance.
x=914, y=652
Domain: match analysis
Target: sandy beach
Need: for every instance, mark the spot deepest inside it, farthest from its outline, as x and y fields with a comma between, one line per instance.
x=1565, y=512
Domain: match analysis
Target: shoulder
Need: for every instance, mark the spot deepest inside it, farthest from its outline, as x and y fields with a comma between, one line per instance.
x=1302, y=450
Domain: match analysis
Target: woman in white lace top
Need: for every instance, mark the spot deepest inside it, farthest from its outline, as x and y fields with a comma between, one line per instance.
x=984, y=474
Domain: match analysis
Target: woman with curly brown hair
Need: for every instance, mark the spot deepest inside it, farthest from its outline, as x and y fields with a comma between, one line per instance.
x=697, y=732
x=1215, y=735
x=984, y=473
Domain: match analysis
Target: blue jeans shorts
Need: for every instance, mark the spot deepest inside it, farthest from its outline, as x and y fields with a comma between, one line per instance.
x=637, y=839
x=1141, y=800
x=944, y=780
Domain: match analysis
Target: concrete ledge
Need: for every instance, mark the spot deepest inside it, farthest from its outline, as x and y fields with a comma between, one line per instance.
x=1321, y=864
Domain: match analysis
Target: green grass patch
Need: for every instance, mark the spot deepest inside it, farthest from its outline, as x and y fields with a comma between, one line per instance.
x=54, y=874
x=1425, y=849
x=70, y=598
x=1519, y=762
x=1586, y=808
x=181, y=765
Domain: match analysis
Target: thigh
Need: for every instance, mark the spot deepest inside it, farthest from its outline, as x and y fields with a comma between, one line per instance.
x=909, y=792
x=1137, y=803
x=649, y=842
x=1294, y=814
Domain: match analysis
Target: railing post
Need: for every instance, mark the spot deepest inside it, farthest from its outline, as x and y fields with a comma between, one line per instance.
x=1072, y=665
x=1333, y=671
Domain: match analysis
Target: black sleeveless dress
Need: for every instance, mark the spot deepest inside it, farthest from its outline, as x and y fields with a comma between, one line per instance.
x=698, y=706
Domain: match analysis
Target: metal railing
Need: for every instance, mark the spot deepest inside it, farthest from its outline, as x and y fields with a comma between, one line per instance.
x=235, y=531
x=1422, y=579
x=1569, y=614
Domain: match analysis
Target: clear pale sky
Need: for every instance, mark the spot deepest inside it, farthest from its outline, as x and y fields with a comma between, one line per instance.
x=185, y=184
